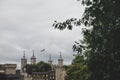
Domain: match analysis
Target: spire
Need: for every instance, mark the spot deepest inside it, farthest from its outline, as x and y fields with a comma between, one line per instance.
x=33, y=53
x=50, y=61
x=33, y=56
x=60, y=60
x=49, y=56
x=60, y=56
x=23, y=53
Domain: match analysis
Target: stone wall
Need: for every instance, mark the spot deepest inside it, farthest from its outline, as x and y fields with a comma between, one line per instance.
x=10, y=68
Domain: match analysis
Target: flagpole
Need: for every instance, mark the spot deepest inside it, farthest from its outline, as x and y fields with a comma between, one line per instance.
x=46, y=55
x=42, y=55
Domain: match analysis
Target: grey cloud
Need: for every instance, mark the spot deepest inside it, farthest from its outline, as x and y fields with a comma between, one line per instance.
x=27, y=25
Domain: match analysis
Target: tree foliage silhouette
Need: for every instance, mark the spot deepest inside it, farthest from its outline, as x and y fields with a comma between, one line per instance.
x=102, y=41
x=39, y=67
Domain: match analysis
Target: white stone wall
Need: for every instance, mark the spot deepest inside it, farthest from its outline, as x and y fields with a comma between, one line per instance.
x=10, y=71
x=60, y=73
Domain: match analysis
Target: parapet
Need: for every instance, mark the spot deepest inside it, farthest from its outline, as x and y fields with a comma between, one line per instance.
x=10, y=65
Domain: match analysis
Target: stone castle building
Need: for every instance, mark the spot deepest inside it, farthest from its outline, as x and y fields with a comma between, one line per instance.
x=8, y=68
x=9, y=72
x=57, y=73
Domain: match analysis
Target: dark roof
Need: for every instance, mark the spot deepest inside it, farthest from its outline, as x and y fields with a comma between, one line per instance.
x=14, y=75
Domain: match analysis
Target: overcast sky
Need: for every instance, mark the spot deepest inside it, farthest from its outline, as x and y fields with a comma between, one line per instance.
x=27, y=24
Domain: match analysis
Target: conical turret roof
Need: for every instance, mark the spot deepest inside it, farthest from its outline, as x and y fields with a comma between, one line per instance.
x=60, y=57
x=24, y=56
x=33, y=56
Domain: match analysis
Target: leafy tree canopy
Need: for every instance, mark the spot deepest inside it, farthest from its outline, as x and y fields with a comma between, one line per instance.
x=102, y=41
x=39, y=67
x=78, y=70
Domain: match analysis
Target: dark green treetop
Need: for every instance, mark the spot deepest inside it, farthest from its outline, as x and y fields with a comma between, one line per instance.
x=39, y=67
x=101, y=41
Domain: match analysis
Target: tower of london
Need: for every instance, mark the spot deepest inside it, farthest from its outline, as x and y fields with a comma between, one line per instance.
x=57, y=73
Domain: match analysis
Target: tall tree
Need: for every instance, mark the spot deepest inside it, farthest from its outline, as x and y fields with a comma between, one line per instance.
x=78, y=70
x=102, y=40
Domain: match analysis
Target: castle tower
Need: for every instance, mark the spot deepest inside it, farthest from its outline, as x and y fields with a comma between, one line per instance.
x=23, y=61
x=60, y=60
x=60, y=70
x=50, y=61
x=33, y=59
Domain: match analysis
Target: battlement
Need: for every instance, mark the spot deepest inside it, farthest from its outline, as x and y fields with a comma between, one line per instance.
x=10, y=65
